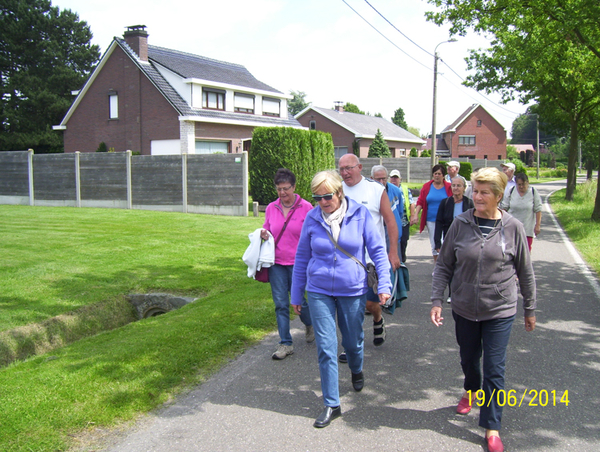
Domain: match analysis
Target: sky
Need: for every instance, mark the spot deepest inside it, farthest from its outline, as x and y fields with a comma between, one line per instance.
x=320, y=47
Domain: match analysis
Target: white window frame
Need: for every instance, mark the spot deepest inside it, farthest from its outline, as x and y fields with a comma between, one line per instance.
x=113, y=105
x=466, y=140
x=219, y=95
x=243, y=103
x=271, y=107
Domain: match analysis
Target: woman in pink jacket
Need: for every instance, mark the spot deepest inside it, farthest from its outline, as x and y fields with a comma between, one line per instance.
x=284, y=218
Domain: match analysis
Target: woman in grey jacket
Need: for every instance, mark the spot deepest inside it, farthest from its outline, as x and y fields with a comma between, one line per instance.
x=486, y=254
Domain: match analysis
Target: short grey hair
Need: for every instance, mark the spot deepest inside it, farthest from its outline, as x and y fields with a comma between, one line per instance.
x=378, y=168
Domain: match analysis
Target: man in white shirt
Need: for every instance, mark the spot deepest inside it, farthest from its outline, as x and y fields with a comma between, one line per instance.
x=509, y=169
x=452, y=167
x=372, y=195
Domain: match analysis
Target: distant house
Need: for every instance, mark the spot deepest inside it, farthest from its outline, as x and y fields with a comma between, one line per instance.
x=350, y=130
x=475, y=134
x=523, y=147
x=159, y=101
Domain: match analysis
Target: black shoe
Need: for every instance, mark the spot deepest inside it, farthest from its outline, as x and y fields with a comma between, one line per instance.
x=328, y=415
x=358, y=381
x=343, y=358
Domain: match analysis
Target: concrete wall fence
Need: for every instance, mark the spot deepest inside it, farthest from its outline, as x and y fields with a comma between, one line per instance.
x=210, y=184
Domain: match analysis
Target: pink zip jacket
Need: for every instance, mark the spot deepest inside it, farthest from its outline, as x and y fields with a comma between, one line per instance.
x=285, y=252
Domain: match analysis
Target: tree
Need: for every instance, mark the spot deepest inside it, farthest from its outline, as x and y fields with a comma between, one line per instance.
x=531, y=59
x=426, y=153
x=45, y=53
x=524, y=130
x=416, y=132
x=379, y=147
x=414, y=152
x=298, y=102
x=378, y=115
x=399, y=120
x=353, y=108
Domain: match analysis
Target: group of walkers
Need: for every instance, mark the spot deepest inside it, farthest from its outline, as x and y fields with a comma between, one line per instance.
x=481, y=253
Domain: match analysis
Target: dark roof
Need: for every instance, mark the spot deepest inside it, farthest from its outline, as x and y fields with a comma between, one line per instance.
x=184, y=65
x=367, y=125
x=188, y=65
x=452, y=127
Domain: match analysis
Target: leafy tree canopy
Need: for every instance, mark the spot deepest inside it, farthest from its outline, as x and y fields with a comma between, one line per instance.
x=45, y=54
x=414, y=131
x=379, y=147
x=399, y=120
x=353, y=108
x=298, y=102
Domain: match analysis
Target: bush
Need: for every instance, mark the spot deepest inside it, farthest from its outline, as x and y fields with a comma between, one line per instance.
x=102, y=147
x=466, y=168
x=414, y=152
x=304, y=152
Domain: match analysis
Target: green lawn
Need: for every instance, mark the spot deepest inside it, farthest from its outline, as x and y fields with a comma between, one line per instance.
x=55, y=260
x=575, y=219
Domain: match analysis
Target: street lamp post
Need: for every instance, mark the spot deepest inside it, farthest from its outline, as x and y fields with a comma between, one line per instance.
x=433, y=133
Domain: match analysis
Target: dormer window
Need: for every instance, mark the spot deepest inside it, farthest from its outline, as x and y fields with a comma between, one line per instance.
x=213, y=99
x=271, y=107
x=243, y=103
x=479, y=123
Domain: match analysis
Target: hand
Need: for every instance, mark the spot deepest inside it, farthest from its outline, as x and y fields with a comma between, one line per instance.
x=394, y=259
x=383, y=297
x=436, y=316
x=537, y=229
x=529, y=323
x=413, y=221
x=264, y=234
x=297, y=308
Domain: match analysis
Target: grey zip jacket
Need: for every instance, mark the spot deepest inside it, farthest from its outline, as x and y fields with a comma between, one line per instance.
x=485, y=270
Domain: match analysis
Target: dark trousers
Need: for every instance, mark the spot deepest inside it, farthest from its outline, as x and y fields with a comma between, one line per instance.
x=404, y=241
x=489, y=338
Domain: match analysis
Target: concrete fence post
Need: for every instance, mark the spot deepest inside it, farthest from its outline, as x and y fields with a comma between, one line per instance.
x=255, y=208
x=184, y=182
x=245, y=182
x=128, y=166
x=77, y=180
x=408, y=170
x=30, y=175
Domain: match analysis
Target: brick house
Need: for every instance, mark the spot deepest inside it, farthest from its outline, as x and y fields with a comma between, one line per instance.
x=475, y=135
x=160, y=101
x=352, y=129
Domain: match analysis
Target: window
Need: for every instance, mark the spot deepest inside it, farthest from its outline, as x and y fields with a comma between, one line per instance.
x=485, y=157
x=340, y=151
x=113, y=105
x=499, y=157
x=479, y=123
x=312, y=125
x=467, y=140
x=243, y=103
x=214, y=99
x=271, y=107
x=212, y=147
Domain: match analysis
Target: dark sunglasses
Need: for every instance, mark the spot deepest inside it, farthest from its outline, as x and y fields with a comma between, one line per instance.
x=327, y=197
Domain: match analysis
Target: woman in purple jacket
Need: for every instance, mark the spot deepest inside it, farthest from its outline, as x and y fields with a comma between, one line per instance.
x=291, y=209
x=336, y=284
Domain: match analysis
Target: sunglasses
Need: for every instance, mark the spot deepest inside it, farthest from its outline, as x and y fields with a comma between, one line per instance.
x=326, y=197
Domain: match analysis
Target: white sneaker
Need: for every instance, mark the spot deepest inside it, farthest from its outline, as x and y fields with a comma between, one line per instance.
x=310, y=334
x=283, y=351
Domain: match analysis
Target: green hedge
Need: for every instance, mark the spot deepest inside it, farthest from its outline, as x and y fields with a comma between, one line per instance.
x=466, y=168
x=304, y=152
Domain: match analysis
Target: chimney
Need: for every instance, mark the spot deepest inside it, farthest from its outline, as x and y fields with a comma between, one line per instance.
x=339, y=106
x=136, y=37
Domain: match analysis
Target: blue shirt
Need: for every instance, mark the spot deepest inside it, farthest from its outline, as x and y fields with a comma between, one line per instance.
x=434, y=198
x=397, y=203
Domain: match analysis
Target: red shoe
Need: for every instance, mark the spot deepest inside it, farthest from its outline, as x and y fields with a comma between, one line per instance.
x=464, y=406
x=494, y=444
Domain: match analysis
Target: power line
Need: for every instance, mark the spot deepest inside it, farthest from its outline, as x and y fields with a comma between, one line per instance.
x=386, y=38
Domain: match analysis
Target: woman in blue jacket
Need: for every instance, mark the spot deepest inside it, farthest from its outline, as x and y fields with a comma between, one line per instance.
x=336, y=284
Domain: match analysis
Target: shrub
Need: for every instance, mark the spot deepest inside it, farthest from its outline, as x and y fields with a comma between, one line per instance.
x=102, y=147
x=304, y=152
x=379, y=147
x=466, y=168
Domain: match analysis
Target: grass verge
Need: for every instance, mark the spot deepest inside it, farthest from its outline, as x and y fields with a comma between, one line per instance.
x=575, y=218
x=57, y=260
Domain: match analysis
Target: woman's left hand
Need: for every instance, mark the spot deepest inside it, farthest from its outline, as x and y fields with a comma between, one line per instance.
x=383, y=297
x=297, y=308
x=529, y=323
x=537, y=229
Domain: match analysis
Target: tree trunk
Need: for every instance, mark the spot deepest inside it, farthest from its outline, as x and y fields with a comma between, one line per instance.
x=596, y=212
x=572, y=167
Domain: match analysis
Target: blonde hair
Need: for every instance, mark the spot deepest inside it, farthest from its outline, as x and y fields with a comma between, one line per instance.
x=493, y=176
x=331, y=180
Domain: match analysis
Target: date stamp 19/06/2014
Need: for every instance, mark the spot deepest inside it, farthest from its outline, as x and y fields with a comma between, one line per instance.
x=541, y=397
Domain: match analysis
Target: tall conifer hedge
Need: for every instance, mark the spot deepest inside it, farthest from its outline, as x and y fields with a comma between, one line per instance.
x=304, y=152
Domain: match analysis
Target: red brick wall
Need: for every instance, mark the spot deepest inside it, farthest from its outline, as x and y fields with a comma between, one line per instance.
x=224, y=132
x=340, y=136
x=490, y=137
x=144, y=113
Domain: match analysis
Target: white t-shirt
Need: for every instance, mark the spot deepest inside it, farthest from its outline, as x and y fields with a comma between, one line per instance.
x=368, y=193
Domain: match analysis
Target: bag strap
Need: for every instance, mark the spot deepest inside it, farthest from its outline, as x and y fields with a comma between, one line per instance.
x=285, y=223
x=344, y=251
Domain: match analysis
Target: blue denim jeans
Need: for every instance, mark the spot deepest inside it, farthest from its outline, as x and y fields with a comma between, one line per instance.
x=280, y=277
x=350, y=313
x=489, y=337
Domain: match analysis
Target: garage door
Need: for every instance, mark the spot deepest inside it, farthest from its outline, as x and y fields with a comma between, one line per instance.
x=212, y=147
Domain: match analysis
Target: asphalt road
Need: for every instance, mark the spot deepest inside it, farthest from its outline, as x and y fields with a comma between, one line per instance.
x=412, y=383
